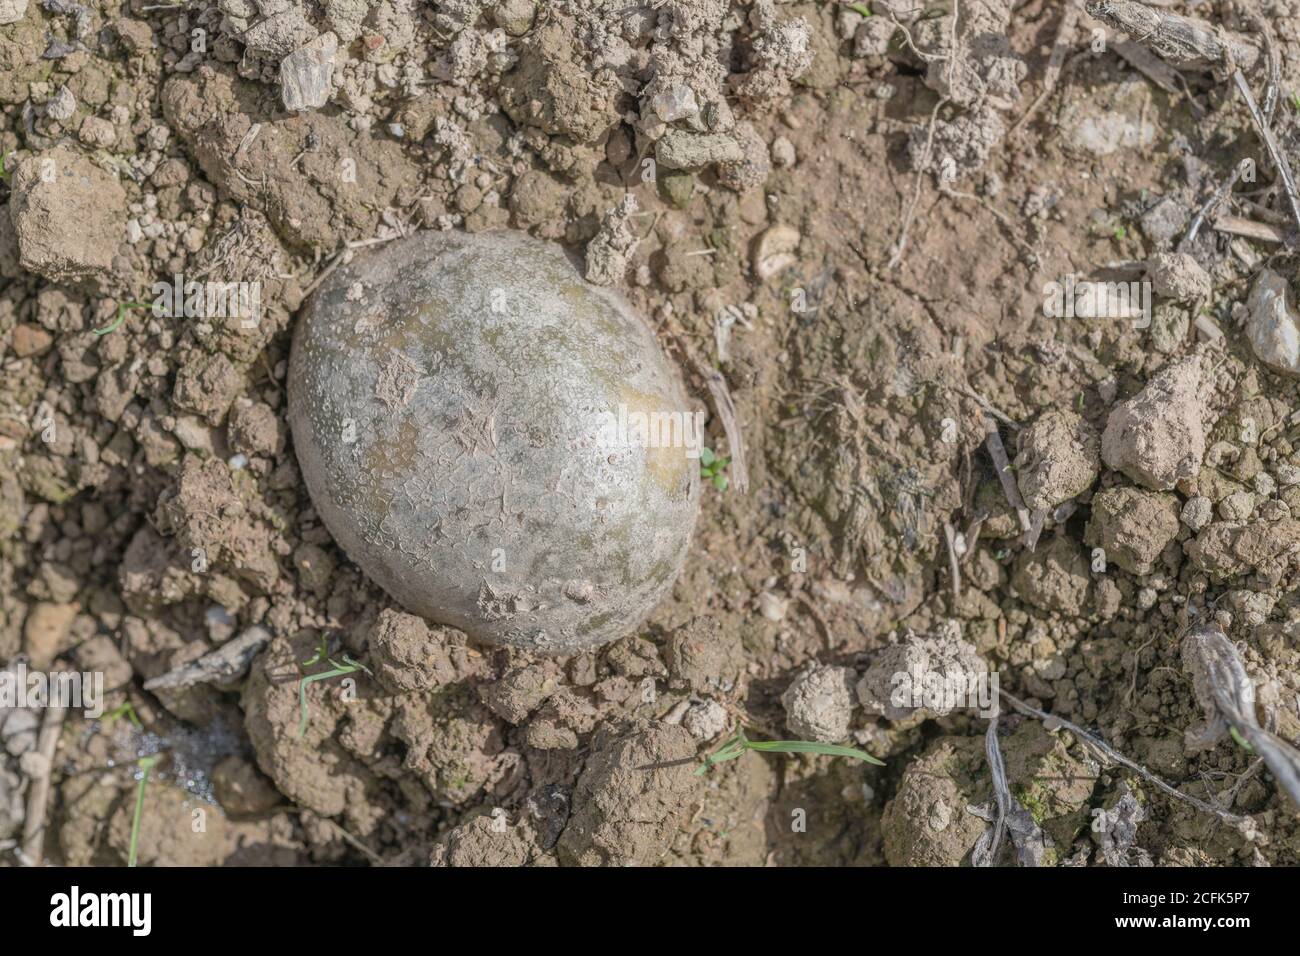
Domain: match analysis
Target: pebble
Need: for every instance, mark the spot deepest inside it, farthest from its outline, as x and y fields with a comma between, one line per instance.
x=307, y=73
x=1272, y=325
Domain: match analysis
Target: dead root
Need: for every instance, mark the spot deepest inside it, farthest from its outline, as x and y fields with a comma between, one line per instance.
x=1226, y=693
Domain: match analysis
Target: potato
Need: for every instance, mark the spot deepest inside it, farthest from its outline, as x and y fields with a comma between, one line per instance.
x=468, y=414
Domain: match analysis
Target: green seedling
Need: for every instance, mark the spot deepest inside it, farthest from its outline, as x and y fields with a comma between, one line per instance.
x=712, y=468
x=860, y=8
x=739, y=744
x=1120, y=232
x=121, y=316
x=145, y=764
x=1241, y=741
x=349, y=666
x=1295, y=101
x=4, y=173
x=124, y=709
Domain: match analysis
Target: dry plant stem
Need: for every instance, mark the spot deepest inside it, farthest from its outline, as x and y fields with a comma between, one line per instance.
x=950, y=536
x=1227, y=695
x=1182, y=41
x=738, y=471
x=1002, y=793
x=909, y=214
x=1280, y=162
x=1236, y=226
x=1123, y=761
x=38, y=794
x=1211, y=204
x=226, y=663
x=993, y=442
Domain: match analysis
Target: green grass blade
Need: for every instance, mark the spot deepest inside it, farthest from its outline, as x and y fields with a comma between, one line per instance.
x=302, y=693
x=145, y=764
x=812, y=747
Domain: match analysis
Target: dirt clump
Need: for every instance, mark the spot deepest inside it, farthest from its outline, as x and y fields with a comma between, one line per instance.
x=631, y=798
x=68, y=216
x=1133, y=527
x=1058, y=458
x=1157, y=438
x=819, y=704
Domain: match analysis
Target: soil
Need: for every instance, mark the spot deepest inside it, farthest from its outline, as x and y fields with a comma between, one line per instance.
x=845, y=229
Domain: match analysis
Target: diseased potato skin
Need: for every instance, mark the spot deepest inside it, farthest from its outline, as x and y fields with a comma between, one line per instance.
x=449, y=397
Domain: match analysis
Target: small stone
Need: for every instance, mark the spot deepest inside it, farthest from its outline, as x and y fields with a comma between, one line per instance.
x=706, y=721
x=775, y=250
x=772, y=607
x=61, y=106
x=306, y=74
x=1272, y=324
x=29, y=340
x=675, y=103
x=682, y=149
x=1197, y=512
x=783, y=153
x=242, y=789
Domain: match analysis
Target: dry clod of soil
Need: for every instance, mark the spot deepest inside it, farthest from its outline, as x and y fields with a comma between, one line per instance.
x=409, y=655
x=11, y=11
x=706, y=720
x=465, y=413
x=521, y=691
x=242, y=789
x=68, y=214
x=46, y=632
x=484, y=840
x=1272, y=324
x=925, y=675
x=631, y=797
x=167, y=833
x=1157, y=437
x=1132, y=526
x=1053, y=578
x=704, y=657
x=255, y=429
x=609, y=253
x=1058, y=459
x=1177, y=276
x=819, y=704
x=926, y=823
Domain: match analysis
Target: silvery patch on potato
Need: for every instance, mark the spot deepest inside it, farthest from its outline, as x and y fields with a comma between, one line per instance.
x=500, y=445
